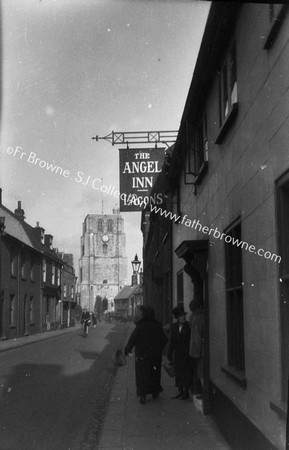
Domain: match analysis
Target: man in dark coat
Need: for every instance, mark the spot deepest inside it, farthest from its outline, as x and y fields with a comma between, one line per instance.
x=179, y=351
x=148, y=339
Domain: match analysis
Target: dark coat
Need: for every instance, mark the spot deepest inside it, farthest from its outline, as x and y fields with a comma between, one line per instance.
x=85, y=316
x=148, y=339
x=179, y=350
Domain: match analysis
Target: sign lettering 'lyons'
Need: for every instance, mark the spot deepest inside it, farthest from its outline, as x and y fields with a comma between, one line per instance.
x=138, y=171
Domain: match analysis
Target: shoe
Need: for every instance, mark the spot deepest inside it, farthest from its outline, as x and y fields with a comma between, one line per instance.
x=179, y=394
x=142, y=399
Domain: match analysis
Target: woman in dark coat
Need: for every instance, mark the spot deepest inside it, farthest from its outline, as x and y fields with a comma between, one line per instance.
x=179, y=351
x=148, y=339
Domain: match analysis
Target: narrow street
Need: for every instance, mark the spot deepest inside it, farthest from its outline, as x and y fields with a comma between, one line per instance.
x=54, y=393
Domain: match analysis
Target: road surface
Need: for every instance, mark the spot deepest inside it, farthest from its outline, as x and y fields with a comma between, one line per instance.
x=54, y=393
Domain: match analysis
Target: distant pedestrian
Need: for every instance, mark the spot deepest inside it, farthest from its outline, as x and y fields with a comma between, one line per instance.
x=179, y=348
x=196, y=343
x=94, y=322
x=149, y=340
x=85, y=320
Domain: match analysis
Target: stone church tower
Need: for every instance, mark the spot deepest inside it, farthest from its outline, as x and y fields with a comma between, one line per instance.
x=103, y=261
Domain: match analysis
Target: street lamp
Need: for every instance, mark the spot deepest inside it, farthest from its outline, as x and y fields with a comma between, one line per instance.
x=135, y=267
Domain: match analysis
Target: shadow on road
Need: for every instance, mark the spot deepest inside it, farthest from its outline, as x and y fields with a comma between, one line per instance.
x=60, y=400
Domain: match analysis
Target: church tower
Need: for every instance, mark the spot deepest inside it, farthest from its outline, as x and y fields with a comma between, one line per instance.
x=103, y=261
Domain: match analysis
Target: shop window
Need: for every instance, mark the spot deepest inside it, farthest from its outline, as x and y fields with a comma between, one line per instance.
x=12, y=311
x=228, y=96
x=283, y=250
x=234, y=304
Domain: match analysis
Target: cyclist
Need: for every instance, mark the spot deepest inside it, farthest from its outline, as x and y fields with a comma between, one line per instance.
x=85, y=320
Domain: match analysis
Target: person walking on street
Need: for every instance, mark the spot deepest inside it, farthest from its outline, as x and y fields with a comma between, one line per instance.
x=85, y=320
x=197, y=321
x=178, y=352
x=148, y=339
x=93, y=319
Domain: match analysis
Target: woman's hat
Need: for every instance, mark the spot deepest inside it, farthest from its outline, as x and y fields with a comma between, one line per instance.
x=178, y=311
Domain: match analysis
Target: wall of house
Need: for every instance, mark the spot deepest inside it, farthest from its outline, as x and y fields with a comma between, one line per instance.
x=21, y=287
x=240, y=183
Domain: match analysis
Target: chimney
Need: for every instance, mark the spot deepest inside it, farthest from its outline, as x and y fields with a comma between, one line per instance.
x=19, y=212
x=48, y=240
x=39, y=233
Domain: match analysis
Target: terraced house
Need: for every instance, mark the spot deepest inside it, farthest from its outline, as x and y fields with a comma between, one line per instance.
x=30, y=277
x=228, y=182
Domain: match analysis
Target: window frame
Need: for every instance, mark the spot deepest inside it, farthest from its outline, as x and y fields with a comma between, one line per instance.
x=235, y=307
x=53, y=278
x=12, y=311
x=13, y=261
x=228, y=91
x=282, y=200
x=44, y=270
x=197, y=150
x=32, y=310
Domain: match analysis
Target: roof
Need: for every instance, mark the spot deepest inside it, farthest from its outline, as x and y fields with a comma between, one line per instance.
x=127, y=291
x=14, y=227
x=25, y=233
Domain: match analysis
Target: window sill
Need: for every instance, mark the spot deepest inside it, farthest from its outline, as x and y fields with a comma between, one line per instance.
x=280, y=408
x=229, y=119
x=236, y=375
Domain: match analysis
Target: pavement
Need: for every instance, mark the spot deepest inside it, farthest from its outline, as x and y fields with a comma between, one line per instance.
x=10, y=344
x=159, y=424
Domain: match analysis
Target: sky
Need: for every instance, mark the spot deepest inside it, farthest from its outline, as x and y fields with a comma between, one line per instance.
x=73, y=69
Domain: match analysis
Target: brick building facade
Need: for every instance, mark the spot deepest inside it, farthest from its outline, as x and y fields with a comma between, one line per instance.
x=30, y=277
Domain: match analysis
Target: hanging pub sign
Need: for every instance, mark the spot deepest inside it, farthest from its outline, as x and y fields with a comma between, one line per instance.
x=139, y=168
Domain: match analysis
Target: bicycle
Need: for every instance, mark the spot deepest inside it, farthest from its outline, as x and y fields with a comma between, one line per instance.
x=86, y=323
